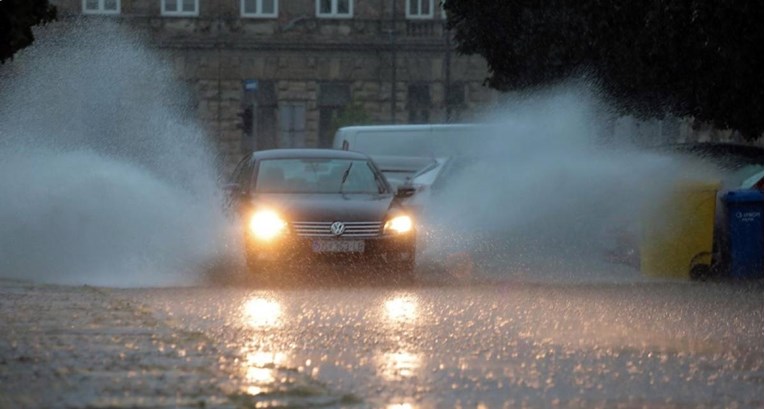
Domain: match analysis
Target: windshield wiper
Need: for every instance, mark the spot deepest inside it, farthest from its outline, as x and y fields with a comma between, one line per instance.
x=345, y=176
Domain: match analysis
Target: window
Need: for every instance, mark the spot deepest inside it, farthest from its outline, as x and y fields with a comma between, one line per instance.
x=292, y=125
x=101, y=6
x=419, y=104
x=333, y=98
x=455, y=101
x=260, y=8
x=334, y=8
x=419, y=8
x=180, y=7
x=259, y=116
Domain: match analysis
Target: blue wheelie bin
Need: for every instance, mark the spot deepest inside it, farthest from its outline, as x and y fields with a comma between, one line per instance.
x=742, y=240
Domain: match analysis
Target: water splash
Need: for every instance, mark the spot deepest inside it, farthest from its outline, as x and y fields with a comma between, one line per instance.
x=106, y=177
x=549, y=189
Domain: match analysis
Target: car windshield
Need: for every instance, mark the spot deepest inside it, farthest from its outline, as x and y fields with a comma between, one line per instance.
x=397, y=177
x=316, y=176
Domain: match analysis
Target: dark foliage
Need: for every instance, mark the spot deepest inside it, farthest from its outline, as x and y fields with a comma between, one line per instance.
x=16, y=20
x=686, y=57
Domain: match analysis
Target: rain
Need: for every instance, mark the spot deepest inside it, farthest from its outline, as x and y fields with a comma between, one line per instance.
x=542, y=273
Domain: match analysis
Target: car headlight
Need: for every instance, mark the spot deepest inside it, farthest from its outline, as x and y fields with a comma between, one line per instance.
x=399, y=225
x=266, y=224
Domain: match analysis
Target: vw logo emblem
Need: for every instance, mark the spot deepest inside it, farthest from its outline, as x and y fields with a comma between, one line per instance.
x=337, y=228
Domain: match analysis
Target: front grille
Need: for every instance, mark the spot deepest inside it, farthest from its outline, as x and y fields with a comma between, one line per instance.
x=321, y=229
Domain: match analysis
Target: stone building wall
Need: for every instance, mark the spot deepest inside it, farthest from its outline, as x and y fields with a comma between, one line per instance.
x=298, y=67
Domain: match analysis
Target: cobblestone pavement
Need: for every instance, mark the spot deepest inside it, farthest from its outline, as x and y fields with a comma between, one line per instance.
x=80, y=347
x=88, y=347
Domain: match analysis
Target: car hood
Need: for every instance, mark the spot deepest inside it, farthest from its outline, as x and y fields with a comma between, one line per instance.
x=327, y=207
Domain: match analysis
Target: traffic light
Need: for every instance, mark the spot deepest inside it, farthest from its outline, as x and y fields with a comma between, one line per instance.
x=246, y=124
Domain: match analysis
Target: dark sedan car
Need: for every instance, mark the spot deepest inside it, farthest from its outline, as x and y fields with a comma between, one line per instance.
x=302, y=206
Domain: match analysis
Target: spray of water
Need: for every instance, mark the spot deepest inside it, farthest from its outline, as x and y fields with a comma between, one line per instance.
x=549, y=191
x=107, y=180
x=105, y=177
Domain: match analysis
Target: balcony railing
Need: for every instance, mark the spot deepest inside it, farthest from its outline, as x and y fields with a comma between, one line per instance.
x=424, y=29
x=209, y=29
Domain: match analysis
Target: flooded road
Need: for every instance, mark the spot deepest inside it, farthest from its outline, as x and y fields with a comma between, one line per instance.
x=504, y=344
x=114, y=180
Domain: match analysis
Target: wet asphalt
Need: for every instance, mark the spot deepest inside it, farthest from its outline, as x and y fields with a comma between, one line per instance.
x=443, y=343
x=456, y=344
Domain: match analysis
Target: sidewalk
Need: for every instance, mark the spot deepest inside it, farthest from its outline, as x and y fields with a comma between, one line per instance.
x=82, y=347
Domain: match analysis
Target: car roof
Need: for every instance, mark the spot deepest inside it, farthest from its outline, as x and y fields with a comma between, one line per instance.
x=415, y=127
x=298, y=153
x=405, y=163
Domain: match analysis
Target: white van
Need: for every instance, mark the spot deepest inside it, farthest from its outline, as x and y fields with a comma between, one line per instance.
x=438, y=140
x=402, y=151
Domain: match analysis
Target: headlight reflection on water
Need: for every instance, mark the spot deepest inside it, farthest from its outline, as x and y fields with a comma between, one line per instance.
x=260, y=370
x=401, y=309
x=400, y=365
x=401, y=312
x=262, y=312
x=262, y=358
x=401, y=406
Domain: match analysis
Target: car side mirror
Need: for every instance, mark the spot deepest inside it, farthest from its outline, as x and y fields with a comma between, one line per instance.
x=406, y=190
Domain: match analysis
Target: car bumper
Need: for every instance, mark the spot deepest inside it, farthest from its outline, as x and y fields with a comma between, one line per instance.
x=300, y=250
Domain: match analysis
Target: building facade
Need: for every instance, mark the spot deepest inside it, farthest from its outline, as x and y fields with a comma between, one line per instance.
x=287, y=73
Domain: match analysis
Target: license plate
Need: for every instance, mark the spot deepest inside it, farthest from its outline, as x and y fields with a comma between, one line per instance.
x=338, y=246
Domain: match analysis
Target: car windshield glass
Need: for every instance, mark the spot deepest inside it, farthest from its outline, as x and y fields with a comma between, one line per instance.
x=316, y=176
x=397, y=177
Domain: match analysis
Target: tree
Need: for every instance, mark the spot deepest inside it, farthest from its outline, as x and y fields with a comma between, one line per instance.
x=16, y=20
x=685, y=57
x=353, y=114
